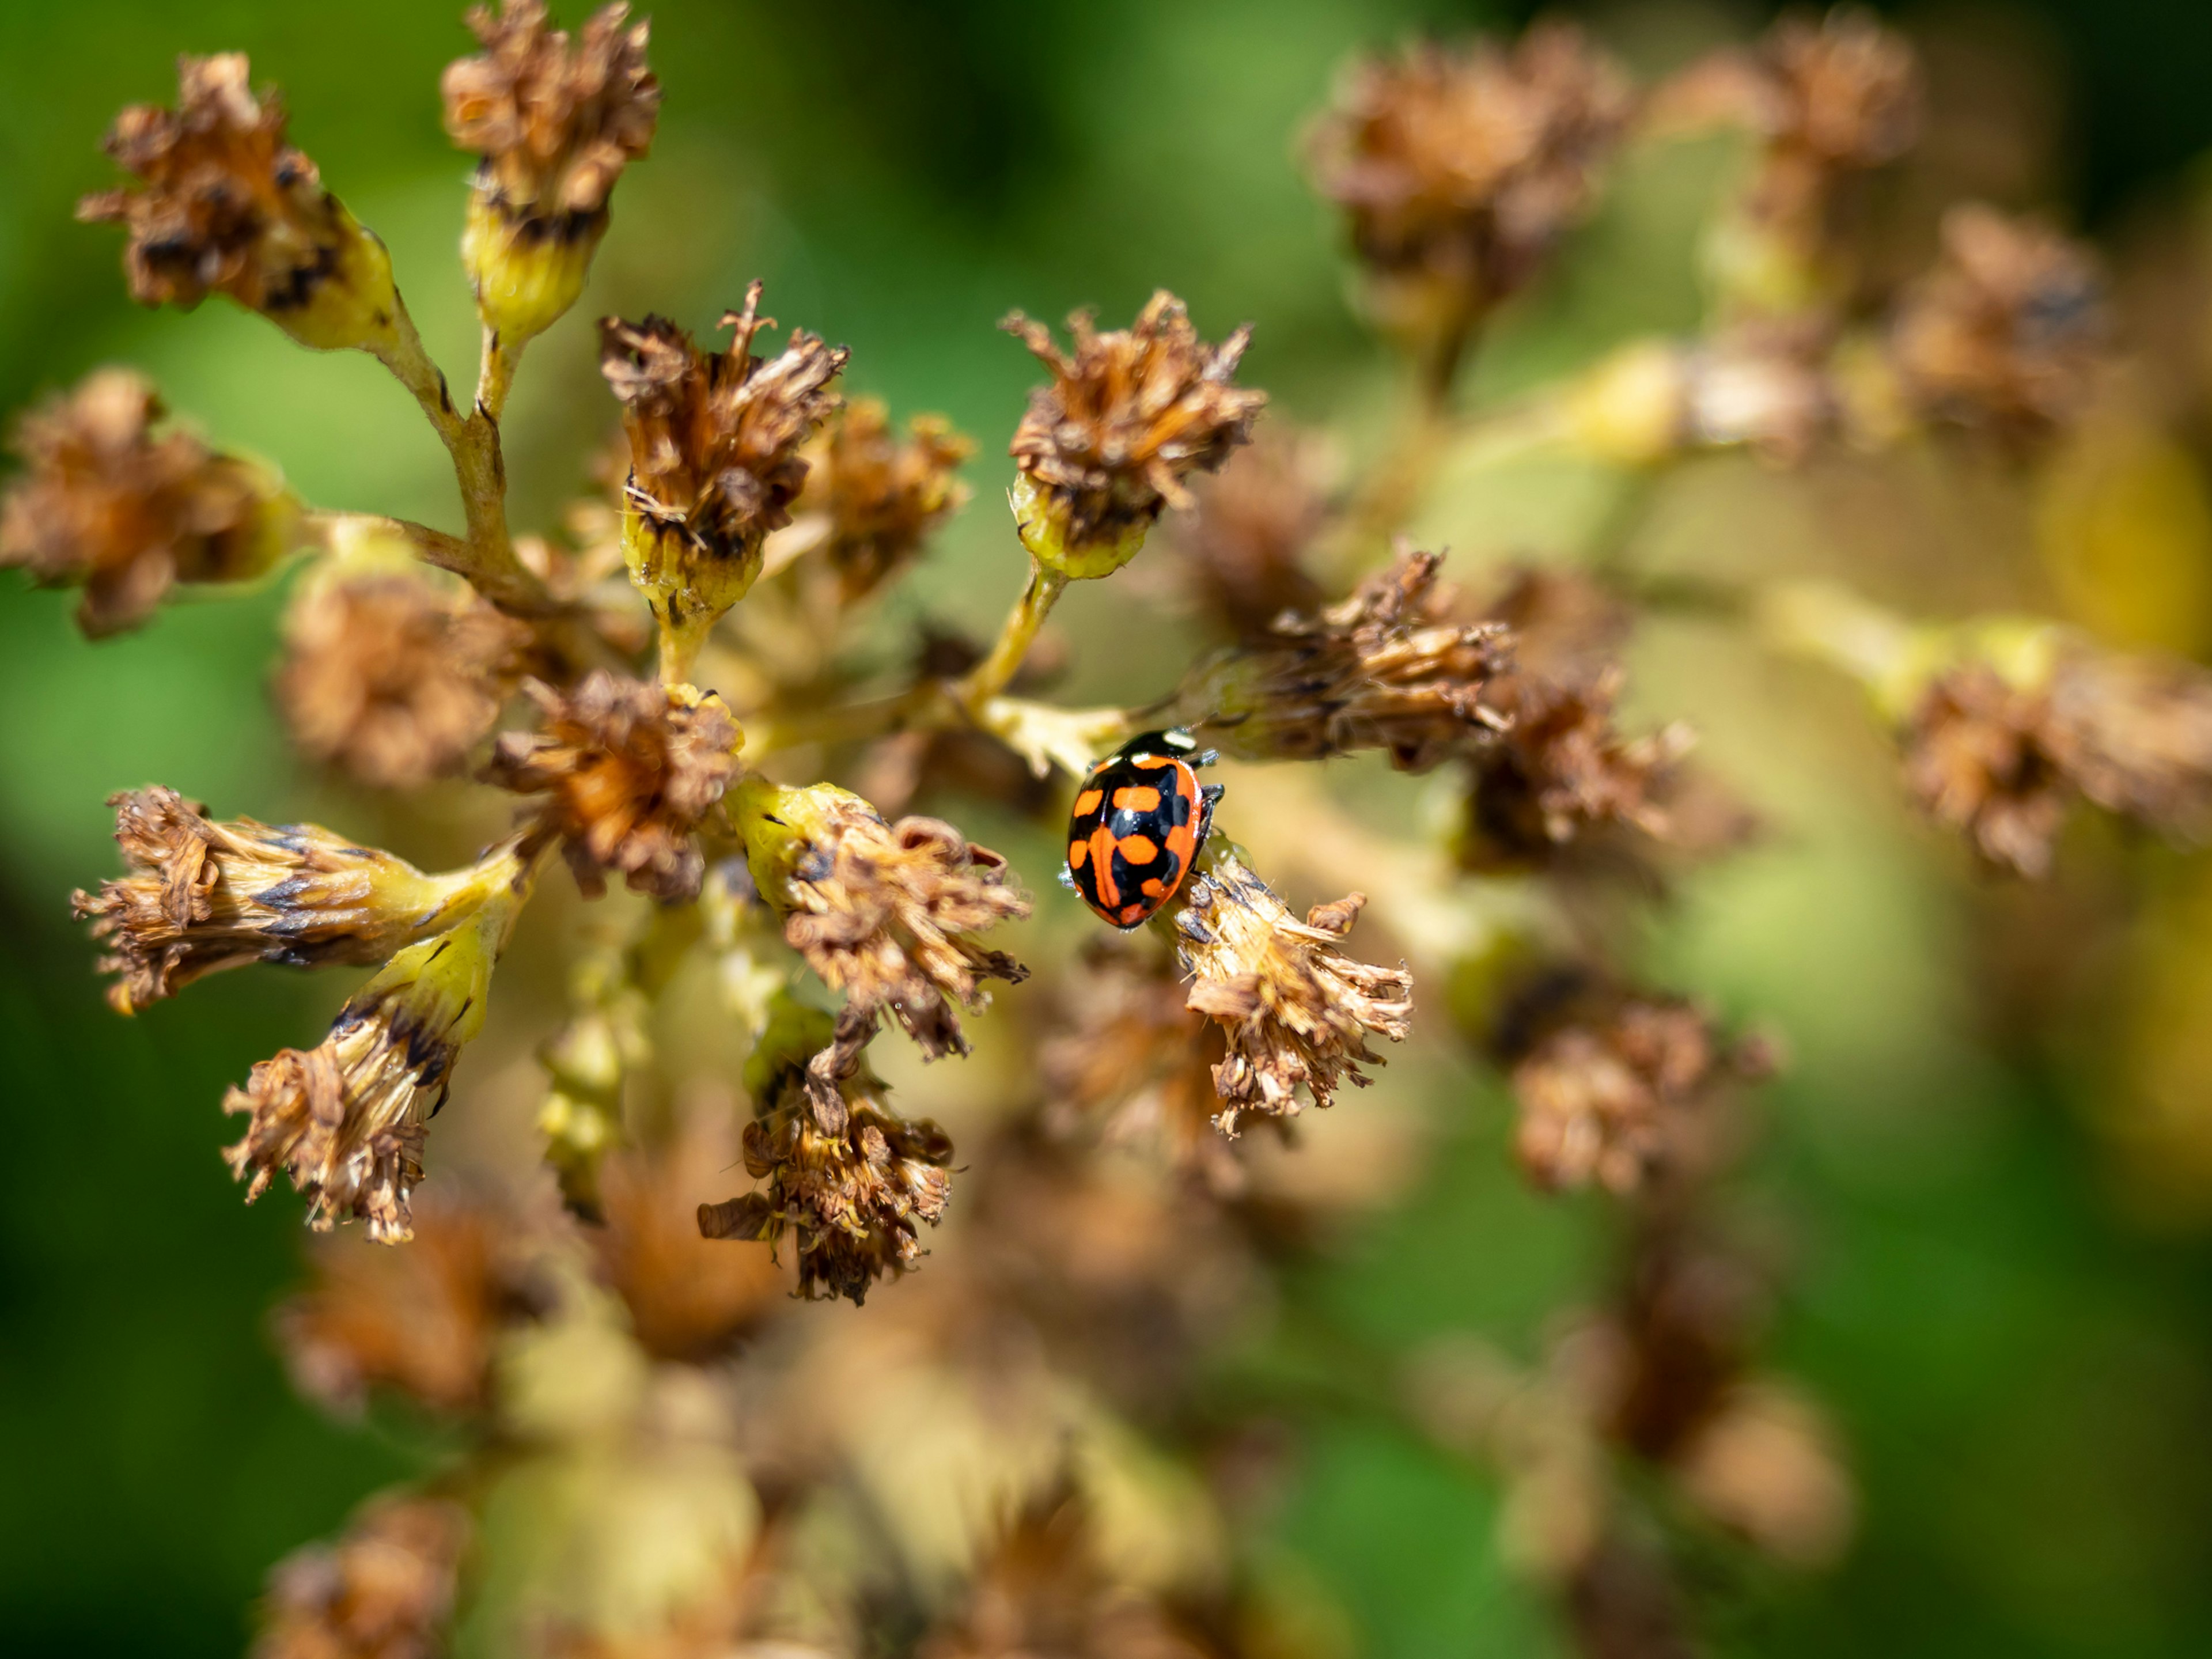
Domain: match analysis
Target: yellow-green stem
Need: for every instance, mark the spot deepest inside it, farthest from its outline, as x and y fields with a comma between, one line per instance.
x=338, y=532
x=990, y=676
x=495, y=373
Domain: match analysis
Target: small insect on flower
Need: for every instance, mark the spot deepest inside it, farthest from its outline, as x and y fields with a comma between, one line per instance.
x=1139, y=819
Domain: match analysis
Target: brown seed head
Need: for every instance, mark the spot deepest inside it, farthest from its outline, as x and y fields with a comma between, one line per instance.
x=203, y=896
x=629, y=769
x=1985, y=757
x=394, y=673
x=1463, y=168
x=881, y=497
x=2135, y=734
x=1613, y=1086
x=223, y=204
x=2008, y=333
x=1242, y=548
x=384, y=1590
x=847, y=1176
x=1385, y=669
x=108, y=504
x=422, y=1322
x=715, y=438
x=886, y=913
x=1129, y=416
x=556, y=125
x=1295, y=1009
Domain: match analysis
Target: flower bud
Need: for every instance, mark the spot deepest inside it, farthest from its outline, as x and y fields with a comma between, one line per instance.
x=346, y=1120
x=225, y=205
x=110, y=504
x=715, y=459
x=203, y=896
x=555, y=127
x=1129, y=416
x=886, y=913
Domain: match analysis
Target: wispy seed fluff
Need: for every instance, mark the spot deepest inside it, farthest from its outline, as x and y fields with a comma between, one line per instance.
x=1295, y=1008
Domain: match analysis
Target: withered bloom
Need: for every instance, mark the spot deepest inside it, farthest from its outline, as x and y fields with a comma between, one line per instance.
x=108, y=504
x=848, y=1177
x=422, y=1322
x=1385, y=669
x=629, y=769
x=879, y=496
x=1561, y=772
x=1983, y=757
x=2007, y=333
x=886, y=913
x=1242, y=546
x=1295, y=1009
x=346, y=1119
x=203, y=894
x=715, y=442
x=2137, y=736
x=555, y=126
x=225, y=205
x=393, y=672
x=1129, y=416
x=384, y=1590
x=1611, y=1086
x=1459, y=171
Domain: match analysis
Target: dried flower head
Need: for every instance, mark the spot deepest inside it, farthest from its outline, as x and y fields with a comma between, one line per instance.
x=1561, y=773
x=1295, y=1009
x=847, y=1176
x=1244, y=545
x=880, y=498
x=886, y=913
x=394, y=672
x=2135, y=737
x=203, y=894
x=1129, y=416
x=1385, y=669
x=2007, y=334
x=346, y=1119
x=629, y=768
x=688, y=1300
x=225, y=205
x=715, y=454
x=422, y=1322
x=108, y=504
x=385, y=1591
x=1983, y=755
x=555, y=126
x=1614, y=1085
x=1460, y=170
x=1768, y=383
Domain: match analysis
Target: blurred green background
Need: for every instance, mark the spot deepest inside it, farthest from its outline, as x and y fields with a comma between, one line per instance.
x=2024, y=1373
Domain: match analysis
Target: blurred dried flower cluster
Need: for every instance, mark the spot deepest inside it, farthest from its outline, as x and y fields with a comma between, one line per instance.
x=1018, y=1440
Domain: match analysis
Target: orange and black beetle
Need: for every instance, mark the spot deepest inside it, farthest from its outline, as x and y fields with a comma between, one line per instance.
x=1139, y=819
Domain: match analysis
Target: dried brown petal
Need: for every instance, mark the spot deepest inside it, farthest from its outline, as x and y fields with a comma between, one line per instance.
x=2008, y=333
x=393, y=673
x=885, y=913
x=629, y=768
x=225, y=205
x=1985, y=757
x=203, y=896
x=847, y=1176
x=1129, y=416
x=109, y=504
x=554, y=125
x=1296, y=1009
x=1385, y=669
x=420, y=1321
x=1460, y=169
x=880, y=497
x=384, y=1590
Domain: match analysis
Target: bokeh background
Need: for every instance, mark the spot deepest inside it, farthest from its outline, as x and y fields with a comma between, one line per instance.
x=2001, y=1280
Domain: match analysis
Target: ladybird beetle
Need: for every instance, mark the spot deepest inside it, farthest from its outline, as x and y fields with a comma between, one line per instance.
x=1139, y=819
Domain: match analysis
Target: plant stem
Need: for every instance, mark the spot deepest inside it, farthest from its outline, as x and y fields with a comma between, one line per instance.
x=990, y=676
x=339, y=532
x=495, y=374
